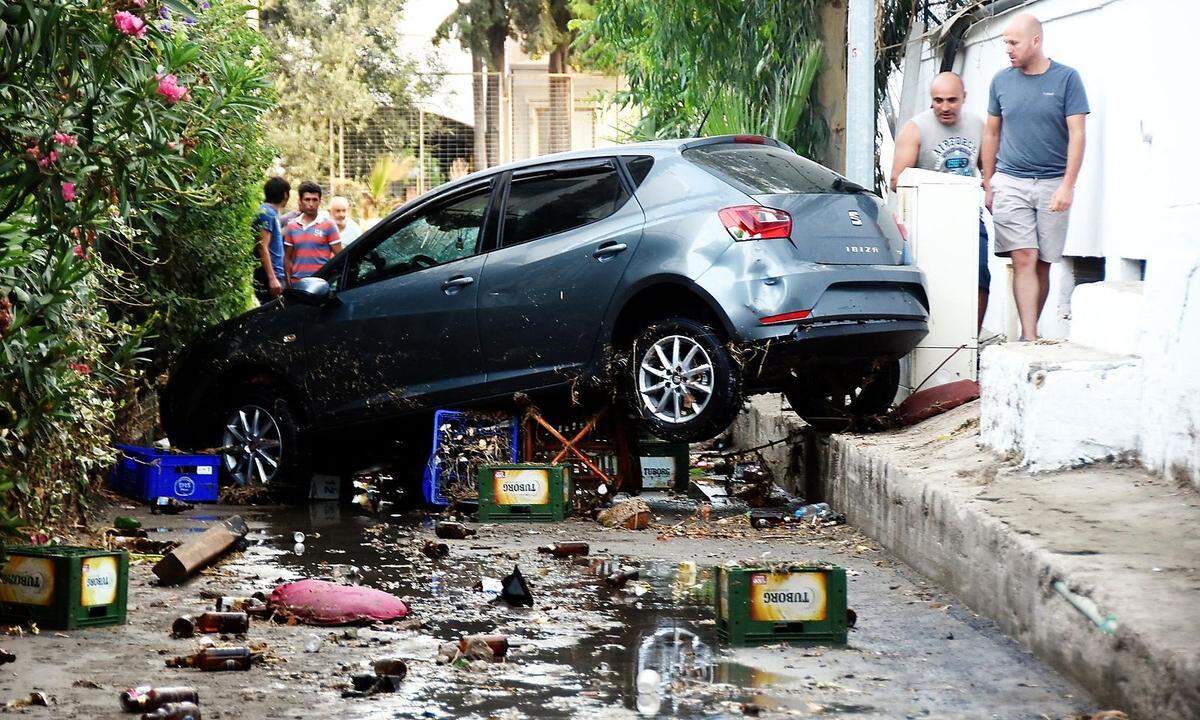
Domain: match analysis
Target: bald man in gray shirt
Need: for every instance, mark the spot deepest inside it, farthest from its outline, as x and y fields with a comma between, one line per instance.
x=1032, y=151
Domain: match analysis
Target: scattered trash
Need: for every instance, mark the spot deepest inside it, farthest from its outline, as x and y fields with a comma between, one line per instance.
x=491, y=587
x=225, y=623
x=924, y=404
x=648, y=681
x=1107, y=624
x=497, y=644
x=565, y=549
x=215, y=659
x=515, y=592
x=434, y=550
x=387, y=678
x=175, y=711
x=142, y=545
x=453, y=531
x=751, y=709
x=169, y=506
x=298, y=549
x=126, y=532
x=146, y=698
x=314, y=644
x=189, y=558
x=319, y=602
x=620, y=579
x=298, y=537
x=255, y=605
x=6, y=657
x=630, y=514
x=124, y=522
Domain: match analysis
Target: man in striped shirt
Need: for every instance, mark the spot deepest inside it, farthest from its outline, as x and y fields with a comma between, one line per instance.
x=309, y=240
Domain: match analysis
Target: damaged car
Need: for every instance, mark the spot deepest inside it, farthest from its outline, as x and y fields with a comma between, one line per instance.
x=687, y=274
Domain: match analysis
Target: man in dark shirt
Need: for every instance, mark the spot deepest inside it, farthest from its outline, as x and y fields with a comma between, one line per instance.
x=268, y=276
x=1032, y=150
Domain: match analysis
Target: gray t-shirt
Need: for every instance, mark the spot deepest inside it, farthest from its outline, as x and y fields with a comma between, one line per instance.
x=1034, y=110
x=949, y=148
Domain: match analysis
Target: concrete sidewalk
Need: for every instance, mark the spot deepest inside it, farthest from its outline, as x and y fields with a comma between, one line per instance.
x=999, y=538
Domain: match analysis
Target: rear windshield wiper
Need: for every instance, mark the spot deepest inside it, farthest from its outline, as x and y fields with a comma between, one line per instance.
x=847, y=186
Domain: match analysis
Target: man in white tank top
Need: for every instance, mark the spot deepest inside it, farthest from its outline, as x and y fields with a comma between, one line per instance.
x=946, y=139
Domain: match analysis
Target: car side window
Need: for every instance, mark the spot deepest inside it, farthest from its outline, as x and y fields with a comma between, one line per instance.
x=443, y=233
x=548, y=204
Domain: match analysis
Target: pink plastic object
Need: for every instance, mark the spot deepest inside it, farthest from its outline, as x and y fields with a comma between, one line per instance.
x=318, y=602
x=929, y=402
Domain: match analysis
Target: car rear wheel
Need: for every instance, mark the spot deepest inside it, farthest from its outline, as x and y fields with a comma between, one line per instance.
x=260, y=441
x=838, y=398
x=684, y=385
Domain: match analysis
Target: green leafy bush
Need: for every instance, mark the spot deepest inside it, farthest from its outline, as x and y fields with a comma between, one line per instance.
x=129, y=153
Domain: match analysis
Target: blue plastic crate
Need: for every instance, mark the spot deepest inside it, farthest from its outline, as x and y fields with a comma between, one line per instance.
x=146, y=474
x=437, y=475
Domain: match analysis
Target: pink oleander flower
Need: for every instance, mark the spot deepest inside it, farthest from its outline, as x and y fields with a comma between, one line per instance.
x=79, y=251
x=65, y=140
x=81, y=368
x=68, y=191
x=170, y=89
x=130, y=24
x=139, y=3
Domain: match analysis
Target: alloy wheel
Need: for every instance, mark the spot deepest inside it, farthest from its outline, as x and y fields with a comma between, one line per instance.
x=675, y=379
x=251, y=446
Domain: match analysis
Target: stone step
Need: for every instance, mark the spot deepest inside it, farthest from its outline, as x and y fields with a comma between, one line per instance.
x=1056, y=405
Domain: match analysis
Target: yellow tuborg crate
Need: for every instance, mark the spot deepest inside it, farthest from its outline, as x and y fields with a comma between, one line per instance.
x=63, y=587
x=758, y=605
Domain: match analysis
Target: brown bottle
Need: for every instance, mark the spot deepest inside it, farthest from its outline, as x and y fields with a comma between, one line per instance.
x=148, y=699
x=6, y=657
x=169, y=506
x=216, y=659
x=565, y=549
x=497, y=643
x=175, y=711
x=452, y=531
x=619, y=579
x=226, y=623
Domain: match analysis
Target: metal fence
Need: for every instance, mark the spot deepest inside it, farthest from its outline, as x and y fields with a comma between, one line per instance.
x=476, y=121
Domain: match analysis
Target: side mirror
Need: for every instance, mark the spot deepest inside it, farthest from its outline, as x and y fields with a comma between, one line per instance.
x=310, y=291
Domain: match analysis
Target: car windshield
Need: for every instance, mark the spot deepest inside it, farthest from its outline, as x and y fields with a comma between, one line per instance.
x=764, y=169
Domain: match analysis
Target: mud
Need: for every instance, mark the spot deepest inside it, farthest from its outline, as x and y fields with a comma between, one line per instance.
x=576, y=653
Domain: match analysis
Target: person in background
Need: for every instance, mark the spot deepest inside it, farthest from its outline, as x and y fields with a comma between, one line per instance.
x=944, y=138
x=269, y=276
x=311, y=239
x=339, y=210
x=1032, y=151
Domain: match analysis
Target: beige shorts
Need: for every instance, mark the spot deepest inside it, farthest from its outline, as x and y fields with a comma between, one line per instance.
x=1022, y=217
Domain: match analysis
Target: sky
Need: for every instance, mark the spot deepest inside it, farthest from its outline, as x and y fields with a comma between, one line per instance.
x=421, y=19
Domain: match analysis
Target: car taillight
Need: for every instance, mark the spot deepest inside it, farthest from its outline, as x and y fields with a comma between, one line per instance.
x=755, y=222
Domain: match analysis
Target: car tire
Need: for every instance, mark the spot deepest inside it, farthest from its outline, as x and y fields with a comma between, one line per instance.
x=840, y=400
x=672, y=361
x=258, y=428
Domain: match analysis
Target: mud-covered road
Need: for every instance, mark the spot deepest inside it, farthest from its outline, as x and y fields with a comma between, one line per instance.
x=576, y=653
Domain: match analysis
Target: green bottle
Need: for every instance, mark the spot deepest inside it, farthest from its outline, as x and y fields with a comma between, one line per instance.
x=124, y=522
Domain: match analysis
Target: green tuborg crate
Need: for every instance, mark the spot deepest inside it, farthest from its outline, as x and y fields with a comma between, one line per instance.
x=63, y=587
x=664, y=464
x=757, y=606
x=524, y=493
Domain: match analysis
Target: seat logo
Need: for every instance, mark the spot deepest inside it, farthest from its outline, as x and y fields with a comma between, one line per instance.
x=855, y=218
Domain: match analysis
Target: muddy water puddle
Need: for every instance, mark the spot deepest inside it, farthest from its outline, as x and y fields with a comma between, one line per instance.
x=577, y=652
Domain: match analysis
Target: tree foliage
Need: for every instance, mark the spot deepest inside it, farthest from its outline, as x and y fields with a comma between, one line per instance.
x=750, y=63
x=128, y=137
x=339, y=60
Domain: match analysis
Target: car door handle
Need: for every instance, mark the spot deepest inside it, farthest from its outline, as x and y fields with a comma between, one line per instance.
x=609, y=249
x=457, y=281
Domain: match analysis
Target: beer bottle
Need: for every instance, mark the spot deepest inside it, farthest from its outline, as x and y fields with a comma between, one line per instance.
x=216, y=659
x=254, y=605
x=147, y=699
x=452, y=531
x=234, y=623
x=6, y=657
x=619, y=579
x=565, y=549
x=175, y=711
x=169, y=506
x=497, y=643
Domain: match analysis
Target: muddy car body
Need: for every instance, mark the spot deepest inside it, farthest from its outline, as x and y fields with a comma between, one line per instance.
x=688, y=273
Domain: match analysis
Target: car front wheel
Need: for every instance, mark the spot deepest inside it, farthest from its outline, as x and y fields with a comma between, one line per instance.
x=260, y=443
x=685, y=386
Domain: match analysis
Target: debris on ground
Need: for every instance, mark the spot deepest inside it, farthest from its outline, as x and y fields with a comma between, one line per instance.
x=514, y=590
x=6, y=657
x=33, y=699
x=320, y=602
x=564, y=549
x=141, y=545
x=225, y=623
x=629, y=514
x=188, y=559
x=165, y=505
x=146, y=698
x=214, y=659
x=453, y=531
x=434, y=550
x=174, y=711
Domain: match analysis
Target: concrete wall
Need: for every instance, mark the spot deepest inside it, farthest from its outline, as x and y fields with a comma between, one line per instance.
x=765, y=420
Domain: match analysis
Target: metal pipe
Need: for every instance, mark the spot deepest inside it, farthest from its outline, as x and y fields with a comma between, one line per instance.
x=860, y=92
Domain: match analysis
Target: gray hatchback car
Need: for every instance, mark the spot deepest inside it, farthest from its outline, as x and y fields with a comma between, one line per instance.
x=687, y=274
